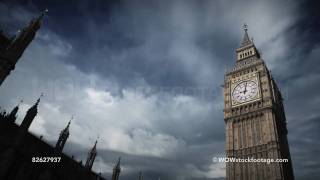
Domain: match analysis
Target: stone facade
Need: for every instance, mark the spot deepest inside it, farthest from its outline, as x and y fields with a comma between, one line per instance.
x=254, y=118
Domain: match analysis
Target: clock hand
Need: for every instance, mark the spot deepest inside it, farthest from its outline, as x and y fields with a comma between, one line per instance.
x=245, y=88
x=244, y=91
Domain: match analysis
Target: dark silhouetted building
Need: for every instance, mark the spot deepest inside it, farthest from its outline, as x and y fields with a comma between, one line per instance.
x=12, y=48
x=23, y=156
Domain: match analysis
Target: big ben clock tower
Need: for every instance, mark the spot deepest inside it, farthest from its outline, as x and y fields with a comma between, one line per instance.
x=255, y=119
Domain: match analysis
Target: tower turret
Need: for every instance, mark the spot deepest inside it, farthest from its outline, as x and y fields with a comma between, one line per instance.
x=116, y=170
x=91, y=156
x=11, y=49
x=254, y=118
x=64, y=134
x=30, y=115
x=13, y=114
x=247, y=48
x=23, y=39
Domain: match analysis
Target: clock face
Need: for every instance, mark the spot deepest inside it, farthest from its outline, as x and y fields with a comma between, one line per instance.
x=245, y=91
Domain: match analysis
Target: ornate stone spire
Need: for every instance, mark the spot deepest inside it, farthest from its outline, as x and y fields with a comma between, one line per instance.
x=30, y=115
x=23, y=39
x=64, y=134
x=13, y=114
x=44, y=12
x=116, y=170
x=247, y=48
x=35, y=23
x=13, y=48
x=118, y=164
x=91, y=156
x=246, y=39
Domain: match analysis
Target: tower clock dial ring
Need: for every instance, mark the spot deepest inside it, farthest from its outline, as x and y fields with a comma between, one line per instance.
x=245, y=91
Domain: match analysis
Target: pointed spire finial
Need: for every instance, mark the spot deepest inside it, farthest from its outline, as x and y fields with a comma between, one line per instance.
x=245, y=27
x=70, y=120
x=30, y=115
x=91, y=156
x=17, y=106
x=246, y=40
x=118, y=163
x=66, y=130
x=44, y=12
x=116, y=170
x=41, y=95
x=94, y=148
x=35, y=23
x=64, y=134
x=38, y=100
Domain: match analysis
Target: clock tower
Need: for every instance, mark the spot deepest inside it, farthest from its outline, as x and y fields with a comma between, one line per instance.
x=255, y=119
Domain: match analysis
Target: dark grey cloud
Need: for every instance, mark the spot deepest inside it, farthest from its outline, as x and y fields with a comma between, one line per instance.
x=146, y=76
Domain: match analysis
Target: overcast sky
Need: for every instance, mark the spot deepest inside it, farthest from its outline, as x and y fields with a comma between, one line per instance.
x=146, y=77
